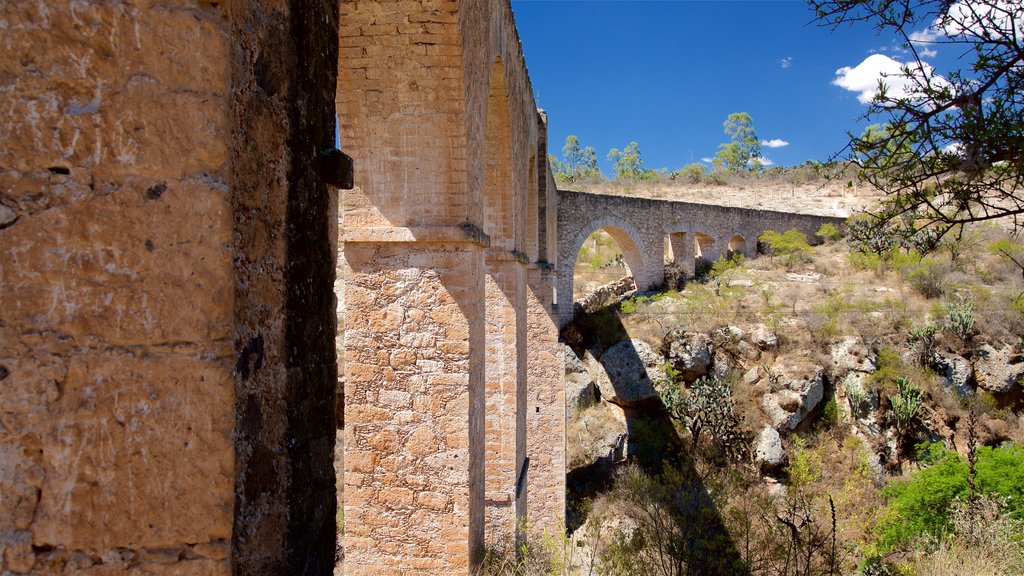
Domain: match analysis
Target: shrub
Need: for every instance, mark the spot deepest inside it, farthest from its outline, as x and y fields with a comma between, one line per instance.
x=708, y=406
x=829, y=415
x=888, y=366
x=906, y=403
x=922, y=339
x=871, y=236
x=960, y=318
x=791, y=245
x=725, y=264
x=829, y=232
x=921, y=505
x=928, y=277
x=692, y=173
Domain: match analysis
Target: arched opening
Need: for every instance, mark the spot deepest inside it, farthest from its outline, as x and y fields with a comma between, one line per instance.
x=600, y=261
x=704, y=253
x=737, y=244
x=678, y=259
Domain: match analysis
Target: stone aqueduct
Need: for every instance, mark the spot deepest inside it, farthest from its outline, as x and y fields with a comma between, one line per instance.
x=649, y=232
x=169, y=232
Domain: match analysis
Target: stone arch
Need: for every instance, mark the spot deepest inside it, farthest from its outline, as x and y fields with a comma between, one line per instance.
x=704, y=246
x=737, y=244
x=625, y=235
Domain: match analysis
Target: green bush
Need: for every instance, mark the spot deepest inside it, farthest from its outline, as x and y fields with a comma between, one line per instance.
x=929, y=279
x=829, y=232
x=791, y=245
x=921, y=505
x=724, y=264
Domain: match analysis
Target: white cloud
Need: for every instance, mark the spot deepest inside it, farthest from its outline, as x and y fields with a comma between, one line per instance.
x=786, y=62
x=923, y=39
x=766, y=161
x=953, y=148
x=774, y=143
x=864, y=77
x=975, y=19
x=706, y=159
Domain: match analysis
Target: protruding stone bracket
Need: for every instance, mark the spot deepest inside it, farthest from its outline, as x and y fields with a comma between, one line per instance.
x=336, y=168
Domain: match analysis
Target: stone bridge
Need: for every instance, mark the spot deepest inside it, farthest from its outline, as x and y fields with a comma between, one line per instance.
x=652, y=233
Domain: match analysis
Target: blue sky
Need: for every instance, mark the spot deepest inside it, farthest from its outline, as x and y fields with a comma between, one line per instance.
x=667, y=73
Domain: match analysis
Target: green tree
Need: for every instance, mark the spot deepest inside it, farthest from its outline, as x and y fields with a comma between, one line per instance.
x=744, y=151
x=951, y=147
x=628, y=164
x=577, y=163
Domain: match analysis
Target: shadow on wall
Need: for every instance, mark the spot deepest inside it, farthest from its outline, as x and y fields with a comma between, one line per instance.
x=653, y=474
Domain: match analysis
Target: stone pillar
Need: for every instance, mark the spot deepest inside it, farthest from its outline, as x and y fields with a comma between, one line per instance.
x=545, y=407
x=164, y=259
x=682, y=252
x=708, y=246
x=505, y=392
x=414, y=343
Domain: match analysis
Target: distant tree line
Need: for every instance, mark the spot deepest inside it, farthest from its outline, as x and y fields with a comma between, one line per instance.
x=741, y=154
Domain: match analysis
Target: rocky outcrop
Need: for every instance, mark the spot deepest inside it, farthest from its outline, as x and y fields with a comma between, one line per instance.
x=632, y=370
x=797, y=392
x=763, y=338
x=689, y=352
x=768, y=452
x=580, y=389
x=998, y=370
x=957, y=372
x=849, y=354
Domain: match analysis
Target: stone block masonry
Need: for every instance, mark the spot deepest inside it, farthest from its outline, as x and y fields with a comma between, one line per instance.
x=450, y=211
x=166, y=369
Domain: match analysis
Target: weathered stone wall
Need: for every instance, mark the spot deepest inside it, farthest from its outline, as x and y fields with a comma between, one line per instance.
x=640, y=226
x=436, y=108
x=284, y=69
x=163, y=253
x=117, y=392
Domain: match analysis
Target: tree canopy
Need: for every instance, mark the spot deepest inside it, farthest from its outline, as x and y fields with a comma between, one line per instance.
x=577, y=163
x=743, y=152
x=948, y=148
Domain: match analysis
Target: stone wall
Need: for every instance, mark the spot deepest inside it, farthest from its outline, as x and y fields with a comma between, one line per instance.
x=450, y=214
x=164, y=274
x=640, y=226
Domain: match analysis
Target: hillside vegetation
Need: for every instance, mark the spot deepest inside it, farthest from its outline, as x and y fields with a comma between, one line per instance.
x=836, y=409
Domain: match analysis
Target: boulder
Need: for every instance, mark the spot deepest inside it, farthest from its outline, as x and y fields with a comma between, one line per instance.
x=763, y=338
x=632, y=370
x=998, y=370
x=596, y=436
x=957, y=372
x=849, y=354
x=689, y=353
x=800, y=392
x=580, y=388
x=862, y=402
x=768, y=451
x=573, y=364
x=729, y=334
x=722, y=364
